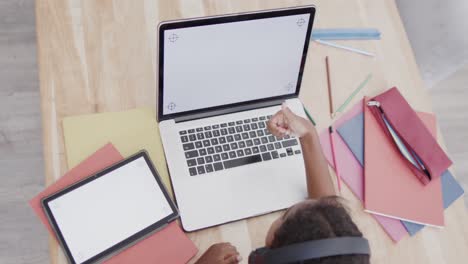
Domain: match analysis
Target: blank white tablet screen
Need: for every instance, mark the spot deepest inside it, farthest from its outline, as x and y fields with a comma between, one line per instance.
x=107, y=210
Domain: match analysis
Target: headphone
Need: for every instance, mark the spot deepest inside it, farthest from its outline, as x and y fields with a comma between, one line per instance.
x=313, y=249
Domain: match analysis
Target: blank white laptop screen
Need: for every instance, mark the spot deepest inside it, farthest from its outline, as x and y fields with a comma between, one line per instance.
x=109, y=209
x=213, y=65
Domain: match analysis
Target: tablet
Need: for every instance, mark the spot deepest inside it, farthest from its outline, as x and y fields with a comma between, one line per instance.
x=109, y=211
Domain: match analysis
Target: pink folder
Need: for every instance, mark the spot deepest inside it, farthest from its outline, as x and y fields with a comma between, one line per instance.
x=391, y=189
x=169, y=245
x=352, y=172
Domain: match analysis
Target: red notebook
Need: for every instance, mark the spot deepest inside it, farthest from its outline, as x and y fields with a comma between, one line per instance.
x=169, y=245
x=390, y=187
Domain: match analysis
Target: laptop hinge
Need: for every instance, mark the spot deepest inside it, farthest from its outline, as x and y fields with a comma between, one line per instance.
x=230, y=110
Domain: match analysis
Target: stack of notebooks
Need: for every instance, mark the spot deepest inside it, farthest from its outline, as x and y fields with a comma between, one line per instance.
x=96, y=141
x=376, y=154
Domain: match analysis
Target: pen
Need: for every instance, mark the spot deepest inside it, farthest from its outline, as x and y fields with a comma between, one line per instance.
x=332, y=141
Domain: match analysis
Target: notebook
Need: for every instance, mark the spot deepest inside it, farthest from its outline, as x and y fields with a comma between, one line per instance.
x=169, y=245
x=352, y=133
x=352, y=173
x=129, y=131
x=391, y=189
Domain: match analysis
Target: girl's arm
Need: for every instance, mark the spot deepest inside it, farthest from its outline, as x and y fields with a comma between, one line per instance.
x=319, y=183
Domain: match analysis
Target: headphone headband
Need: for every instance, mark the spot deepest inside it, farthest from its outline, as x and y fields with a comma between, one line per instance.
x=318, y=249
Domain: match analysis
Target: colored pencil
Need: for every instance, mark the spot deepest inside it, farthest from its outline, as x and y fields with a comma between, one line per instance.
x=353, y=94
x=345, y=33
x=330, y=99
x=309, y=116
x=332, y=142
x=344, y=47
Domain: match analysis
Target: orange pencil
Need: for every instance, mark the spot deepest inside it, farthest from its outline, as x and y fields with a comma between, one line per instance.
x=330, y=99
x=332, y=142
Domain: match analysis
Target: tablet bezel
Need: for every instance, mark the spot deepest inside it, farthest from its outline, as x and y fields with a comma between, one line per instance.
x=128, y=241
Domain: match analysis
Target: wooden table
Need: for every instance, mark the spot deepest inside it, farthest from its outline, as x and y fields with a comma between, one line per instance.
x=97, y=56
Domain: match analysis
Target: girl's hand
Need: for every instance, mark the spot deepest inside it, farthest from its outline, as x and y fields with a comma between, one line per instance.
x=221, y=253
x=285, y=122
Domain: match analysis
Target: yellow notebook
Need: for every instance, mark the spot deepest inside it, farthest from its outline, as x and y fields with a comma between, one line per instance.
x=129, y=131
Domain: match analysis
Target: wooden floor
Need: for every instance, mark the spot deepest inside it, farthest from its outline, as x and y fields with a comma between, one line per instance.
x=22, y=238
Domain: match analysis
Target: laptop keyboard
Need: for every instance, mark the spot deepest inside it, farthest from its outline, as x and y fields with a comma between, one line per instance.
x=232, y=144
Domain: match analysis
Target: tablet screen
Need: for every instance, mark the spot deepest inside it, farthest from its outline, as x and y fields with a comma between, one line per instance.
x=109, y=209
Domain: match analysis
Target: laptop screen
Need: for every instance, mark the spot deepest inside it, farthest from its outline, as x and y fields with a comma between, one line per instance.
x=213, y=65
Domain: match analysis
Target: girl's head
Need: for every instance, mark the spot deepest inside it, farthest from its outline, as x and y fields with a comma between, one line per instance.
x=312, y=220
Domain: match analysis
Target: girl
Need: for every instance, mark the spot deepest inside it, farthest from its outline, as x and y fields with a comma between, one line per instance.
x=319, y=217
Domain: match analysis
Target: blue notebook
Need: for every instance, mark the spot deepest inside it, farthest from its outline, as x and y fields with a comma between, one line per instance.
x=352, y=133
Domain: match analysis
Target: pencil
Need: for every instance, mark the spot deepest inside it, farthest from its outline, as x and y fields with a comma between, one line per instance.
x=353, y=94
x=332, y=142
x=309, y=116
x=330, y=99
x=344, y=47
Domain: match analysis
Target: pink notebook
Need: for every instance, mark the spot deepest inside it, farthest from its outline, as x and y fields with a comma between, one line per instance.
x=169, y=245
x=391, y=189
x=352, y=173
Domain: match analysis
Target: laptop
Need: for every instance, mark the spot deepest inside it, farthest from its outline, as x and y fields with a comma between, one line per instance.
x=220, y=80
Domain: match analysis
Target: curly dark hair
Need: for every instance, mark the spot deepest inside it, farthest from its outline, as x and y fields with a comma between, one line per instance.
x=326, y=218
